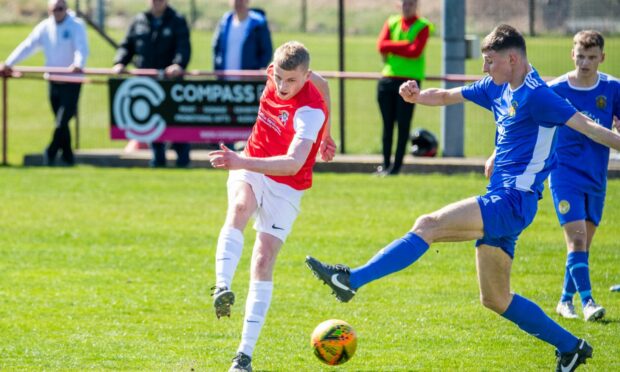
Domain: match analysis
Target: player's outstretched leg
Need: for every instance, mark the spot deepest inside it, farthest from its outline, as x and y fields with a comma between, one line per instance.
x=223, y=298
x=396, y=256
x=241, y=363
x=570, y=361
x=335, y=276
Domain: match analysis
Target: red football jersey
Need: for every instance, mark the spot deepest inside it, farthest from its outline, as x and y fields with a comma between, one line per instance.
x=274, y=129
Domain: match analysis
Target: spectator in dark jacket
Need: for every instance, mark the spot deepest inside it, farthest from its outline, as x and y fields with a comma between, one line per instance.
x=159, y=39
x=242, y=40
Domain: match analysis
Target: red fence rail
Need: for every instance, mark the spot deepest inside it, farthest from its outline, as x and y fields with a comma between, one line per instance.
x=98, y=75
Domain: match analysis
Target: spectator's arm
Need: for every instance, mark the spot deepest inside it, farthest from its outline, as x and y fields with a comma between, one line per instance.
x=404, y=48
x=81, y=46
x=126, y=49
x=217, y=47
x=265, y=47
x=27, y=47
x=184, y=48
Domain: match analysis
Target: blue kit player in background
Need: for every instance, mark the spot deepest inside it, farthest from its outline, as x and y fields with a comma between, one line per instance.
x=527, y=114
x=579, y=182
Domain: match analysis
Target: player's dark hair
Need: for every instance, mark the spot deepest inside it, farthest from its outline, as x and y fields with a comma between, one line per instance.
x=503, y=37
x=589, y=39
x=291, y=55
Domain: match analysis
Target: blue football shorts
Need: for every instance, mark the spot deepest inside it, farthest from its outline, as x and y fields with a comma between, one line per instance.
x=505, y=214
x=573, y=205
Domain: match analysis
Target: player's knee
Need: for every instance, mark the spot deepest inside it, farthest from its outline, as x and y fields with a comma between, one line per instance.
x=577, y=243
x=425, y=226
x=494, y=303
x=263, y=264
x=241, y=209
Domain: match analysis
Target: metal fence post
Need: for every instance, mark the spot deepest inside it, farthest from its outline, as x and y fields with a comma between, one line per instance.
x=341, y=67
x=452, y=117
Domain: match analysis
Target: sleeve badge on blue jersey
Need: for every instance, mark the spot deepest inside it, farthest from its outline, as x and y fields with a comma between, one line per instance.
x=601, y=102
x=563, y=206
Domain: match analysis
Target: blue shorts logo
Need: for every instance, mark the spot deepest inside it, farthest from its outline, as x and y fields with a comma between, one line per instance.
x=563, y=206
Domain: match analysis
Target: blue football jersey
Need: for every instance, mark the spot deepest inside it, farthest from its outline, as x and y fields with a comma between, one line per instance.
x=582, y=163
x=527, y=119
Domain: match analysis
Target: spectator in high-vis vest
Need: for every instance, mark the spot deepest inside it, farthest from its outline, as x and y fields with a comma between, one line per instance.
x=401, y=44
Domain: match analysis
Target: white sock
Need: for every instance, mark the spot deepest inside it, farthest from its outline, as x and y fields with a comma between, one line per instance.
x=227, y=255
x=256, y=306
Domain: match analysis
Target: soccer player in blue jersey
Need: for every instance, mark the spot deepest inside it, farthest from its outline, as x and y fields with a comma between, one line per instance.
x=579, y=182
x=527, y=114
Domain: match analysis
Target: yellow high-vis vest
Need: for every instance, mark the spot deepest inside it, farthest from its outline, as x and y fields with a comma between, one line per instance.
x=413, y=68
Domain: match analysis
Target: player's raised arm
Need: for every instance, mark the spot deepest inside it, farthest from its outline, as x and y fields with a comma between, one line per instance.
x=410, y=91
x=597, y=133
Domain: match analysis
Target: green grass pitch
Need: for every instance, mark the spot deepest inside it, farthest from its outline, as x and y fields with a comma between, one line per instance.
x=110, y=269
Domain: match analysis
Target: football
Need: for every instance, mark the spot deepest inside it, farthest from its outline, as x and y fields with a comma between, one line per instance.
x=334, y=341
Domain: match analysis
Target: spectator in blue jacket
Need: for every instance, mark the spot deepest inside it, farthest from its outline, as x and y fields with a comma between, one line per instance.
x=242, y=40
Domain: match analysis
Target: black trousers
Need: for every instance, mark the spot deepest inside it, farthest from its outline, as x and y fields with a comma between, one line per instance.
x=394, y=109
x=64, y=100
x=159, y=154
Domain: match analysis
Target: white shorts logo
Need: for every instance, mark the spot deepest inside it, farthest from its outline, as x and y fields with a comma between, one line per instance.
x=133, y=104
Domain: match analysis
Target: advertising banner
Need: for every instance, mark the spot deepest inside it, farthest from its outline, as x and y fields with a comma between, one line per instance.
x=211, y=111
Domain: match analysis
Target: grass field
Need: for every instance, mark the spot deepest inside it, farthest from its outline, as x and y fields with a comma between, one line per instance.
x=30, y=120
x=110, y=269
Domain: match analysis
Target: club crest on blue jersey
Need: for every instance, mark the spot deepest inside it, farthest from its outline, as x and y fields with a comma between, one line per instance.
x=283, y=117
x=512, y=111
x=66, y=34
x=601, y=102
x=563, y=206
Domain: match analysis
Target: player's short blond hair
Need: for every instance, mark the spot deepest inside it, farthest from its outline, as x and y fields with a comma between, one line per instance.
x=589, y=39
x=291, y=55
x=503, y=37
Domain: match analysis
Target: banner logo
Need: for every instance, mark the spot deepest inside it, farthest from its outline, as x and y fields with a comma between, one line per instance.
x=133, y=107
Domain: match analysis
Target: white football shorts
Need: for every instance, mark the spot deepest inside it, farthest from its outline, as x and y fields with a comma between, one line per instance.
x=278, y=204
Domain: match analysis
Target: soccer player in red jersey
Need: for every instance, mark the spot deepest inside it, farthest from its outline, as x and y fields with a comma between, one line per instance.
x=268, y=179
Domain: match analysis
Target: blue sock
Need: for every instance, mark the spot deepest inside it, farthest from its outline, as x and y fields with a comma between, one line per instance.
x=568, y=289
x=530, y=318
x=395, y=257
x=578, y=265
